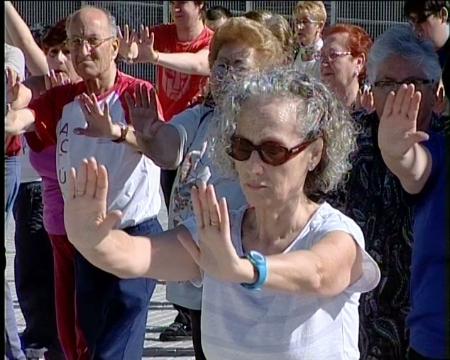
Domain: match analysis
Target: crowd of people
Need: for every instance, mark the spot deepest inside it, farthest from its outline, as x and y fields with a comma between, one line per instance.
x=303, y=167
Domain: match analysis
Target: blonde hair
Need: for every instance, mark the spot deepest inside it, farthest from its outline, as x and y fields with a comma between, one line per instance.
x=313, y=9
x=249, y=32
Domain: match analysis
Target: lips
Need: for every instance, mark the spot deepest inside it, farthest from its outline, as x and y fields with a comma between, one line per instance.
x=255, y=186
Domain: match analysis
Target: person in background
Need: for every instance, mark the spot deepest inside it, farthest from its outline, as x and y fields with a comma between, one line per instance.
x=413, y=148
x=386, y=215
x=14, y=73
x=179, y=51
x=309, y=19
x=277, y=272
x=418, y=159
x=343, y=61
x=431, y=20
x=280, y=27
x=238, y=47
x=123, y=303
x=52, y=48
x=216, y=16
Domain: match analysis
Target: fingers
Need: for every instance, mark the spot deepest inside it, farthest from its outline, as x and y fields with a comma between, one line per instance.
x=225, y=219
x=399, y=98
x=81, y=179
x=414, y=107
x=138, y=93
x=91, y=177
x=388, y=106
x=154, y=105
x=199, y=205
x=129, y=101
x=213, y=207
x=409, y=93
x=144, y=96
x=101, y=192
x=72, y=183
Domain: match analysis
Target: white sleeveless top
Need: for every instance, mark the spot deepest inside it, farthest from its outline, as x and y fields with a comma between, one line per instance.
x=267, y=325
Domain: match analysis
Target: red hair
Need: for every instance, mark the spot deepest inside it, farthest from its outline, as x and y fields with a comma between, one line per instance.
x=359, y=43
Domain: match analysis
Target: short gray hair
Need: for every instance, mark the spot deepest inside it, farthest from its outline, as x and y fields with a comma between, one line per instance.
x=402, y=41
x=111, y=19
x=319, y=114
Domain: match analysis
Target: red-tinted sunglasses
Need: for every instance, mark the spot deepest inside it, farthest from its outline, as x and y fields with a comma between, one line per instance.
x=270, y=152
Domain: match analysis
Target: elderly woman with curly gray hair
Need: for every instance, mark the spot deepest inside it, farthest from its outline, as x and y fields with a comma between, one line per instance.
x=281, y=276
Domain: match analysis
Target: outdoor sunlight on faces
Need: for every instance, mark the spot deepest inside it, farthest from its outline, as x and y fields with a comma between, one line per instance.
x=91, y=27
x=264, y=119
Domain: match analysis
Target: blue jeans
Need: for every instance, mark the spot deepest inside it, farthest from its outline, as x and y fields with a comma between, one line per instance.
x=33, y=269
x=13, y=349
x=112, y=312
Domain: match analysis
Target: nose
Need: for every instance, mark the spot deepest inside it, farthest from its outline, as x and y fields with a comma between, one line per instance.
x=60, y=56
x=255, y=164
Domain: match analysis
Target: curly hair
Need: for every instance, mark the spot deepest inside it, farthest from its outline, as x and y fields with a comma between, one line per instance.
x=319, y=114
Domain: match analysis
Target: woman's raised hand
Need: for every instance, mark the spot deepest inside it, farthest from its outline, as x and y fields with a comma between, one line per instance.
x=86, y=220
x=215, y=253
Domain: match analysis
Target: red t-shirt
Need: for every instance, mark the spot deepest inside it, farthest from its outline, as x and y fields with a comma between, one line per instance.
x=178, y=91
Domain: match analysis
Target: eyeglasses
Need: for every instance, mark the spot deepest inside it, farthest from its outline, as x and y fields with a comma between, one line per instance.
x=222, y=71
x=93, y=42
x=304, y=22
x=270, y=152
x=333, y=56
x=392, y=85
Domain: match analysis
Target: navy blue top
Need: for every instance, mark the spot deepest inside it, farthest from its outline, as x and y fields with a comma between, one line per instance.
x=430, y=258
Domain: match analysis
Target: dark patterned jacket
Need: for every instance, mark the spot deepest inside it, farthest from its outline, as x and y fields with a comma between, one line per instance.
x=374, y=198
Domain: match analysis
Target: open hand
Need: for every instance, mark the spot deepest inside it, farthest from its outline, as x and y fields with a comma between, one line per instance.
x=99, y=122
x=128, y=47
x=18, y=95
x=53, y=79
x=215, y=253
x=85, y=217
x=398, y=124
x=147, y=52
x=143, y=111
x=364, y=100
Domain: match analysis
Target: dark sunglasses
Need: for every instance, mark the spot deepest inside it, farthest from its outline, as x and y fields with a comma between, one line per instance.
x=270, y=152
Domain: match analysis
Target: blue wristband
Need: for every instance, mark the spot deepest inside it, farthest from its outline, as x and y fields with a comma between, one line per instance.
x=259, y=262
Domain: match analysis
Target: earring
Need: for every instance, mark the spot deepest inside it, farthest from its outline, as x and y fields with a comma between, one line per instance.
x=355, y=73
x=311, y=167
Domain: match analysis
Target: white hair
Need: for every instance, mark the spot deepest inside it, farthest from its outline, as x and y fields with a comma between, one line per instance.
x=402, y=41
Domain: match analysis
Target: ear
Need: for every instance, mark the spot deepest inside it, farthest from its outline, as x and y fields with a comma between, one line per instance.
x=115, y=48
x=443, y=14
x=360, y=61
x=316, y=151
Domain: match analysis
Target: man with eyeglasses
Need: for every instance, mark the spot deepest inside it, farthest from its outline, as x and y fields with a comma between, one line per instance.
x=88, y=119
x=431, y=20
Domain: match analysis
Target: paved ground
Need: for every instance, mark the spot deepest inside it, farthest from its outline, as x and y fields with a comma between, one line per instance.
x=161, y=313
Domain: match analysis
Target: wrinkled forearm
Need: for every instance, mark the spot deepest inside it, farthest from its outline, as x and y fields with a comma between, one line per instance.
x=412, y=169
x=186, y=63
x=159, y=257
x=163, y=148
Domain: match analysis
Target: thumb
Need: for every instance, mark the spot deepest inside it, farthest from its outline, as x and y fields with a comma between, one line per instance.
x=418, y=137
x=111, y=220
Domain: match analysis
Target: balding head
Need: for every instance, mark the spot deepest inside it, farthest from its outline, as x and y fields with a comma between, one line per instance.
x=93, y=13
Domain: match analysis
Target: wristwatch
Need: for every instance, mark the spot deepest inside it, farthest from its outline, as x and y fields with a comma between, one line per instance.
x=123, y=133
x=259, y=262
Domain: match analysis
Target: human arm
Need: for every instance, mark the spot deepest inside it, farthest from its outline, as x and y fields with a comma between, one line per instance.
x=399, y=140
x=195, y=63
x=157, y=139
x=19, y=121
x=100, y=124
x=21, y=37
x=114, y=251
x=327, y=269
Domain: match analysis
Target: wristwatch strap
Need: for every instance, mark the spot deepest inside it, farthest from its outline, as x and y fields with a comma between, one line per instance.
x=123, y=133
x=259, y=262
